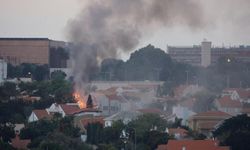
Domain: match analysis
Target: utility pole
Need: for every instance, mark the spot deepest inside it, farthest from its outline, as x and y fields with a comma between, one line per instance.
x=187, y=77
x=158, y=70
x=228, y=81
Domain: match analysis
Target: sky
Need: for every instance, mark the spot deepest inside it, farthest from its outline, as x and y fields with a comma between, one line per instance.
x=227, y=22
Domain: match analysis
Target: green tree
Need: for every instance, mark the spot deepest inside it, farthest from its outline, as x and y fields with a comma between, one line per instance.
x=66, y=126
x=7, y=90
x=143, y=125
x=59, y=141
x=5, y=146
x=235, y=132
x=6, y=132
x=94, y=133
x=58, y=75
x=154, y=138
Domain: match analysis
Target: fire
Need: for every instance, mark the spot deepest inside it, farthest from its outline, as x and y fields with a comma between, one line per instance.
x=80, y=100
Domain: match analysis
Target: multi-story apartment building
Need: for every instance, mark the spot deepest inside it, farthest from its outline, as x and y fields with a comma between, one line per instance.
x=33, y=50
x=205, y=55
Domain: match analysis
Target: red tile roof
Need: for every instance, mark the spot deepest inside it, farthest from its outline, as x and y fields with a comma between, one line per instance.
x=244, y=94
x=74, y=109
x=18, y=143
x=87, y=120
x=41, y=114
x=227, y=102
x=192, y=145
x=70, y=109
x=212, y=114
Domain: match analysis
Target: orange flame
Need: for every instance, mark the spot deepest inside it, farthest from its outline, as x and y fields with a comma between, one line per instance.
x=79, y=99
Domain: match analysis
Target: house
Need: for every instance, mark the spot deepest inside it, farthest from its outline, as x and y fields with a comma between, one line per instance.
x=205, y=122
x=64, y=109
x=243, y=95
x=178, y=133
x=38, y=115
x=192, y=145
x=68, y=109
x=124, y=116
x=20, y=144
x=112, y=104
x=228, y=105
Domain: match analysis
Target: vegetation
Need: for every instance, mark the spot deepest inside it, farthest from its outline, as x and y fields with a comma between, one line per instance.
x=36, y=72
x=150, y=63
x=235, y=132
x=58, y=133
x=147, y=131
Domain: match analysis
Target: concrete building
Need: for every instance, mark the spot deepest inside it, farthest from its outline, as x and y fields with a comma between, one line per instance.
x=205, y=55
x=33, y=50
x=3, y=70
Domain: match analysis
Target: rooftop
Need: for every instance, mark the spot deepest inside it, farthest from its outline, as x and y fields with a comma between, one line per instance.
x=41, y=114
x=212, y=114
x=16, y=38
x=19, y=144
x=192, y=145
x=88, y=120
x=226, y=101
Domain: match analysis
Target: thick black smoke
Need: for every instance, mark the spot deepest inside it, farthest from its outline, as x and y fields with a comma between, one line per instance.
x=104, y=28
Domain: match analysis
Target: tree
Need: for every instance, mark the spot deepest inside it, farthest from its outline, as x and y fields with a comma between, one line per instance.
x=66, y=126
x=59, y=141
x=6, y=132
x=154, y=138
x=58, y=75
x=94, y=131
x=235, y=132
x=89, y=102
x=7, y=90
x=142, y=127
x=6, y=146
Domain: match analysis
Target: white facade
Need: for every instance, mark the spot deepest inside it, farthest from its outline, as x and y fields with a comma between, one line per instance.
x=56, y=108
x=32, y=117
x=3, y=70
x=206, y=53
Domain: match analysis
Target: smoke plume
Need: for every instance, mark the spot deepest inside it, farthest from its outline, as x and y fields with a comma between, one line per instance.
x=104, y=28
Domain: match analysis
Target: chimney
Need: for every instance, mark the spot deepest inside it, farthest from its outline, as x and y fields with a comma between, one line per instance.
x=183, y=148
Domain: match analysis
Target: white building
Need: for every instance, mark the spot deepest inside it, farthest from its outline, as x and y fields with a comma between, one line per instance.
x=3, y=70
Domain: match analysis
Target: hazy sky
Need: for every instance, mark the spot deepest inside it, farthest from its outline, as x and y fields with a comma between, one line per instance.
x=227, y=21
